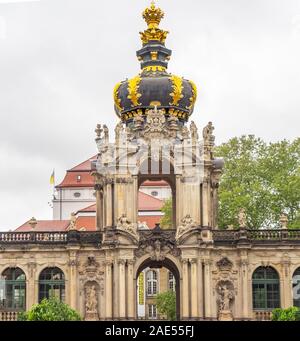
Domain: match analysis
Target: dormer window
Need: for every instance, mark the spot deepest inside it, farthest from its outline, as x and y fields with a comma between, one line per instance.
x=78, y=178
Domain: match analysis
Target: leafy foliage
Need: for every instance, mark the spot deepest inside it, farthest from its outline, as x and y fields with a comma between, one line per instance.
x=166, y=304
x=166, y=221
x=290, y=314
x=262, y=178
x=50, y=310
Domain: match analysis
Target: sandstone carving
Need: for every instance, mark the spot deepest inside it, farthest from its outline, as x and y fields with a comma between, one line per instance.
x=187, y=223
x=125, y=225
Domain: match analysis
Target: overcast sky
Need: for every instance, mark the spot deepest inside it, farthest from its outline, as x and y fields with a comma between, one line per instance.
x=60, y=59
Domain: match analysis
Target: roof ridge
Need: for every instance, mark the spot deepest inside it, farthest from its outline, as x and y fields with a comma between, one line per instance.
x=151, y=196
x=82, y=163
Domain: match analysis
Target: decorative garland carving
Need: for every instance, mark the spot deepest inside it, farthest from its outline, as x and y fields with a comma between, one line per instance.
x=158, y=244
x=91, y=271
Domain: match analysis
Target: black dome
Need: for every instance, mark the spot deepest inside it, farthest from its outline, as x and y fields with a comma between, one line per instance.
x=158, y=88
x=154, y=86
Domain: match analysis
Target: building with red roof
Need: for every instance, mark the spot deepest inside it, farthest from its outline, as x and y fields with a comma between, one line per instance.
x=76, y=194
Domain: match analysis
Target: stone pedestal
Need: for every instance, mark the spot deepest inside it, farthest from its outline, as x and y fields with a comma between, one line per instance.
x=225, y=315
x=92, y=316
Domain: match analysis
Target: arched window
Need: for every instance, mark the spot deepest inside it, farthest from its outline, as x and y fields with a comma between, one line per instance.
x=151, y=283
x=52, y=284
x=171, y=281
x=13, y=289
x=265, y=289
x=296, y=288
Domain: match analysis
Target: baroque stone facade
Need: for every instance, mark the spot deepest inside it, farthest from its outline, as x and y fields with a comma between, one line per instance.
x=96, y=272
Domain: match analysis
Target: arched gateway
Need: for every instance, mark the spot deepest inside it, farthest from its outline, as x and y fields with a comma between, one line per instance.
x=154, y=142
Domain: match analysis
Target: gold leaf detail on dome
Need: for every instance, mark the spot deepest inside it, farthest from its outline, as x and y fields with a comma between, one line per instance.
x=154, y=68
x=193, y=99
x=153, y=16
x=133, y=88
x=117, y=100
x=177, y=90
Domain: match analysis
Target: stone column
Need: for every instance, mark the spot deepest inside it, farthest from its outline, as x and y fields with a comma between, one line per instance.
x=131, y=291
x=206, y=202
x=122, y=291
x=135, y=199
x=178, y=200
x=194, y=288
x=109, y=208
x=73, y=280
x=99, y=202
x=185, y=289
x=207, y=288
x=108, y=290
x=287, y=287
x=244, y=294
x=200, y=289
x=31, y=294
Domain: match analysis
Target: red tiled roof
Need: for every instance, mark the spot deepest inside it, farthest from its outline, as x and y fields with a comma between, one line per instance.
x=84, y=166
x=149, y=203
x=89, y=209
x=150, y=220
x=45, y=226
x=88, y=223
x=155, y=184
x=71, y=180
x=84, y=171
x=146, y=203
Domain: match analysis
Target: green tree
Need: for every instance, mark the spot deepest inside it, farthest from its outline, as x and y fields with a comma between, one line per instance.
x=166, y=221
x=290, y=314
x=166, y=304
x=50, y=310
x=262, y=178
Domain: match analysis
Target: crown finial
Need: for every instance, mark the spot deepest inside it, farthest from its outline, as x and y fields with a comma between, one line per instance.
x=153, y=16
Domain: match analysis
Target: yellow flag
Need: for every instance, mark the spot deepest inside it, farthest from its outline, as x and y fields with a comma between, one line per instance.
x=52, y=178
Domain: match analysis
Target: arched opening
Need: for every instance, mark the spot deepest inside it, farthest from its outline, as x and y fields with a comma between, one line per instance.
x=296, y=288
x=52, y=284
x=157, y=195
x=13, y=290
x=155, y=204
x=265, y=289
x=153, y=279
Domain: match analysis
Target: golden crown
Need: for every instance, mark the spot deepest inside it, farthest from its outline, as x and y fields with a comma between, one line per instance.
x=153, y=15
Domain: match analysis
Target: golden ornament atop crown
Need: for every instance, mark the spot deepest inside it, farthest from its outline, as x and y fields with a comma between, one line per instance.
x=153, y=17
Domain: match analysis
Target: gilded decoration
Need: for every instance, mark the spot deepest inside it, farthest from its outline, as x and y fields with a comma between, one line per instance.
x=177, y=89
x=117, y=100
x=193, y=99
x=154, y=68
x=153, y=17
x=133, y=88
